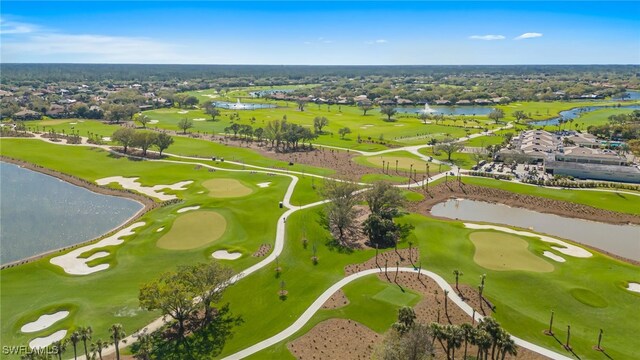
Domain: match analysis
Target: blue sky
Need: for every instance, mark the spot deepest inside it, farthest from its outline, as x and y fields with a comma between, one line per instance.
x=319, y=33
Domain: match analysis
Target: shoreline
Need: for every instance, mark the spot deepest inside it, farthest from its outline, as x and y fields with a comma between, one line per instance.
x=147, y=205
x=442, y=193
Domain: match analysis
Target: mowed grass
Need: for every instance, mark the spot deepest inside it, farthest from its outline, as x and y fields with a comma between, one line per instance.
x=404, y=160
x=367, y=296
x=542, y=110
x=607, y=200
x=193, y=230
x=505, y=252
x=110, y=296
x=524, y=299
x=225, y=188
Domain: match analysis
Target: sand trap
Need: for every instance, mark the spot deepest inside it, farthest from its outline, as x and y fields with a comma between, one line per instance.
x=43, y=342
x=73, y=123
x=183, y=112
x=553, y=256
x=264, y=184
x=200, y=192
x=566, y=248
x=199, y=119
x=106, y=138
x=225, y=255
x=226, y=188
x=193, y=230
x=72, y=264
x=132, y=184
x=399, y=125
x=154, y=121
x=160, y=229
x=635, y=287
x=188, y=208
x=44, y=321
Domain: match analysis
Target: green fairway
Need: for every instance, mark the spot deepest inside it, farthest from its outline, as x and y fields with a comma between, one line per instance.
x=542, y=110
x=400, y=160
x=193, y=230
x=505, y=252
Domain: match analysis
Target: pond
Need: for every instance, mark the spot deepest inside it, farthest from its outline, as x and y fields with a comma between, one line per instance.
x=632, y=95
x=242, y=106
x=622, y=240
x=576, y=112
x=42, y=213
x=472, y=110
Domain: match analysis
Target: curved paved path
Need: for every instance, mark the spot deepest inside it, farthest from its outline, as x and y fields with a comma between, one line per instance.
x=317, y=304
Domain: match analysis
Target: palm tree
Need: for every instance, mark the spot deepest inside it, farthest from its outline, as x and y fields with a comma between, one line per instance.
x=60, y=347
x=74, y=338
x=482, y=340
x=467, y=335
x=117, y=333
x=98, y=346
x=457, y=273
x=85, y=335
x=507, y=346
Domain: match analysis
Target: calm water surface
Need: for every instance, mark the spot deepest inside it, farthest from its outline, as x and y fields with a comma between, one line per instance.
x=623, y=240
x=39, y=213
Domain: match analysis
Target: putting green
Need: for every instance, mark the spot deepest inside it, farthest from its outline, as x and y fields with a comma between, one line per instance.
x=193, y=230
x=588, y=298
x=404, y=163
x=226, y=188
x=505, y=252
x=395, y=296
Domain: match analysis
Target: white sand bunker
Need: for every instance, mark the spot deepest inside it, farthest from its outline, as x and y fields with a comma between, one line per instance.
x=44, y=321
x=160, y=229
x=183, y=112
x=199, y=119
x=43, y=342
x=73, y=264
x=399, y=125
x=264, y=184
x=154, y=121
x=106, y=138
x=565, y=248
x=188, y=208
x=200, y=192
x=553, y=256
x=132, y=184
x=225, y=255
x=635, y=287
x=73, y=123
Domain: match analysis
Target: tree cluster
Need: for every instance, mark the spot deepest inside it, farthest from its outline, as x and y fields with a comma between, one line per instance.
x=143, y=140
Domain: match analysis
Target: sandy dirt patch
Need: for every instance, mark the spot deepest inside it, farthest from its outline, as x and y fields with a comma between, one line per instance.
x=43, y=342
x=183, y=112
x=225, y=255
x=635, y=287
x=152, y=122
x=505, y=252
x=193, y=230
x=44, y=321
x=106, y=138
x=336, y=339
x=188, y=208
x=226, y=188
x=553, y=256
x=160, y=229
x=565, y=247
x=154, y=191
x=73, y=264
x=336, y=301
x=199, y=119
x=264, y=184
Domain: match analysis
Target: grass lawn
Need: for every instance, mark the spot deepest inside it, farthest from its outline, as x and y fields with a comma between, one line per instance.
x=462, y=160
x=202, y=228
x=614, y=201
x=405, y=161
x=226, y=188
x=542, y=110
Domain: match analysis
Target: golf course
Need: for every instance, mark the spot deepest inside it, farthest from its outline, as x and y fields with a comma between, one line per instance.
x=212, y=195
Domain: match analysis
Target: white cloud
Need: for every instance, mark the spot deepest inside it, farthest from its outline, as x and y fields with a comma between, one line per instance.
x=13, y=27
x=379, y=41
x=530, y=35
x=487, y=37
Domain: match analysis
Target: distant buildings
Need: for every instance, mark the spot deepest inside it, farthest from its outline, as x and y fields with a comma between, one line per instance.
x=576, y=154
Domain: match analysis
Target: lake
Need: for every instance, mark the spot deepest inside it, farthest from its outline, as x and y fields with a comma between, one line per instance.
x=622, y=240
x=42, y=213
x=576, y=112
